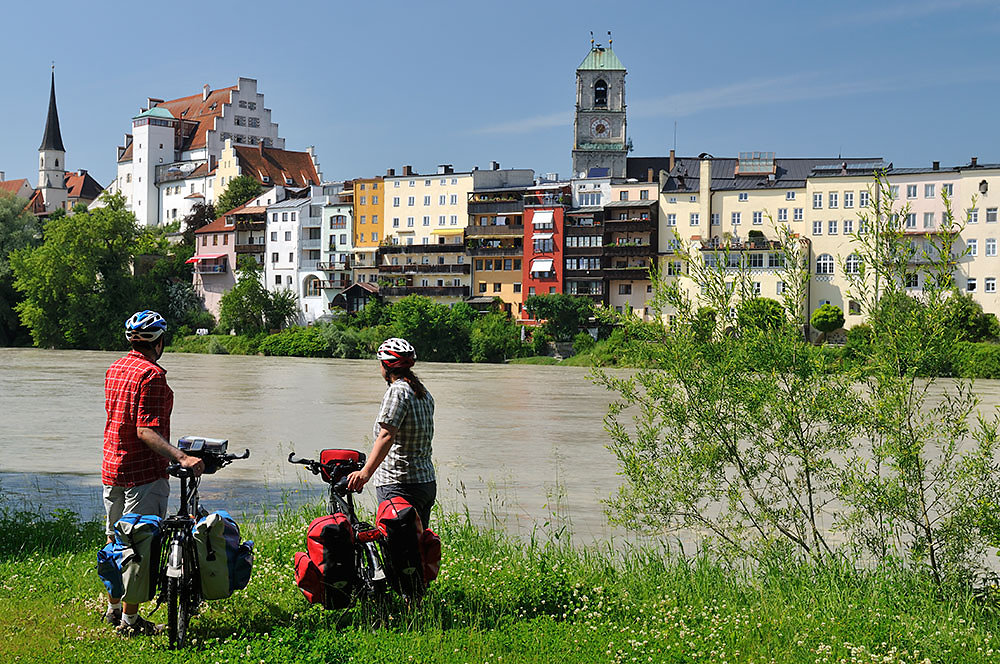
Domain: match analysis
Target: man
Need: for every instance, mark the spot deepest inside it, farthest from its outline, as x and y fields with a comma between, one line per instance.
x=137, y=444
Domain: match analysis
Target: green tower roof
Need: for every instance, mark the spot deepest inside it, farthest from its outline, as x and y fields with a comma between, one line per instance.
x=156, y=112
x=602, y=58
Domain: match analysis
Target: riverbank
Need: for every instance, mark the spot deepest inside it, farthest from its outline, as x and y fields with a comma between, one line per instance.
x=499, y=600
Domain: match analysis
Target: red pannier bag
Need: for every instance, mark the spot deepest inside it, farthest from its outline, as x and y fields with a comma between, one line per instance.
x=325, y=573
x=412, y=554
x=333, y=456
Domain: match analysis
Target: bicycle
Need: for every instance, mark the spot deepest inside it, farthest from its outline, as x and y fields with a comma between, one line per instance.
x=369, y=565
x=180, y=573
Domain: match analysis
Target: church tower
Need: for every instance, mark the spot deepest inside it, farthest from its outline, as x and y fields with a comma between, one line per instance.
x=599, y=139
x=52, y=158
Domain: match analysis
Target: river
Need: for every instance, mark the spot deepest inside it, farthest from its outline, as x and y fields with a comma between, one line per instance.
x=516, y=444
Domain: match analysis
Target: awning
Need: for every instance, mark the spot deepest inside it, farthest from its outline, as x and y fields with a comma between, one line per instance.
x=203, y=257
x=541, y=265
x=447, y=231
x=542, y=217
x=542, y=236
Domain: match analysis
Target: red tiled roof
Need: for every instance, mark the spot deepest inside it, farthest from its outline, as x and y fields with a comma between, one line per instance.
x=200, y=111
x=14, y=186
x=277, y=165
x=37, y=203
x=217, y=226
x=81, y=185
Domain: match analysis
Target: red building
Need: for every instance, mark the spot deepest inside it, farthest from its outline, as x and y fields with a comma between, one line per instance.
x=543, y=251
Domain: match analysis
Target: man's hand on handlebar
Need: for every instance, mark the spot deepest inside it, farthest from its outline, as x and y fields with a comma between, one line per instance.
x=357, y=480
x=194, y=464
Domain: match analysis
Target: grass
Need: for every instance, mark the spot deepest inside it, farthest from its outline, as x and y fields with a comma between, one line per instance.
x=499, y=600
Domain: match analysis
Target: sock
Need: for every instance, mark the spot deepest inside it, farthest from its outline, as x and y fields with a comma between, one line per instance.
x=115, y=607
x=129, y=619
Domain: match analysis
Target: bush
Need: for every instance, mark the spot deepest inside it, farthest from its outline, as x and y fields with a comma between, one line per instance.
x=540, y=342
x=215, y=347
x=296, y=342
x=971, y=360
x=583, y=343
x=182, y=331
x=495, y=338
x=343, y=342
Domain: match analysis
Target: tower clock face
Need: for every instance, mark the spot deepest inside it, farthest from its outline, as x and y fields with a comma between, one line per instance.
x=600, y=128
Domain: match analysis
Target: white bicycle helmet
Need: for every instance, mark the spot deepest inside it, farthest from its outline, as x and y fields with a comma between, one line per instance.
x=145, y=326
x=396, y=353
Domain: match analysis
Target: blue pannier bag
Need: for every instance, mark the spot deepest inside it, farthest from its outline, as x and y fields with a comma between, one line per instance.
x=109, y=568
x=224, y=563
x=136, y=552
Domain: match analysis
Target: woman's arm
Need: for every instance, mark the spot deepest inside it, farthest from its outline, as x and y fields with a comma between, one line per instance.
x=386, y=436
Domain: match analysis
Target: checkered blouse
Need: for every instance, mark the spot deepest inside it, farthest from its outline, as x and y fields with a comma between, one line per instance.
x=409, y=458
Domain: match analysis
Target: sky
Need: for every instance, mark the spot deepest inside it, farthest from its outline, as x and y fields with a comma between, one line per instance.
x=375, y=85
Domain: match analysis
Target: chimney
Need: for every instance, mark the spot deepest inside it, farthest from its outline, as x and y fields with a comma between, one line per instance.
x=935, y=165
x=260, y=148
x=407, y=170
x=495, y=165
x=1, y=176
x=390, y=172
x=204, y=92
x=649, y=175
x=974, y=162
x=83, y=172
x=673, y=160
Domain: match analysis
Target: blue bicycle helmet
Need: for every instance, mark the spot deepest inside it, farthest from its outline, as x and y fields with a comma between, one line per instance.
x=145, y=326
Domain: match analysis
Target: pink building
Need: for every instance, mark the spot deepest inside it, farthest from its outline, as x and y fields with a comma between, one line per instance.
x=215, y=261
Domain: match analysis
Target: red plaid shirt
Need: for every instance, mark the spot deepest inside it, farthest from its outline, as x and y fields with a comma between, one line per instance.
x=136, y=394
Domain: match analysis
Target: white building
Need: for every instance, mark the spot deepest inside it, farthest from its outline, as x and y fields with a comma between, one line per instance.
x=338, y=245
x=168, y=162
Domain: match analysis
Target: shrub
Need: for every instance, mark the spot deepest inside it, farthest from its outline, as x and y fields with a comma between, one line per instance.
x=972, y=360
x=583, y=343
x=346, y=342
x=215, y=347
x=296, y=342
x=540, y=342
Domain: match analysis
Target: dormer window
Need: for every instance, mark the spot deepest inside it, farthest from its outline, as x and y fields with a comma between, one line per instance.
x=288, y=180
x=266, y=179
x=601, y=93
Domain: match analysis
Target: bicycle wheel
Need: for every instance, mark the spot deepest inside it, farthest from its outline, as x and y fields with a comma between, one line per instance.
x=178, y=607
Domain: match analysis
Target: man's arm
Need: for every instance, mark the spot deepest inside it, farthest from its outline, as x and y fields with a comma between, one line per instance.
x=154, y=441
x=386, y=436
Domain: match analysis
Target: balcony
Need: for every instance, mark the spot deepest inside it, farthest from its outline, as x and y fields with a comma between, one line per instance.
x=631, y=273
x=546, y=200
x=202, y=268
x=250, y=248
x=250, y=224
x=495, y=207
x=496, y=251
x=587, y=229
x=629, y=250
x=494, y=231
x=307, y=244
x=424, y=268
x=598, y=273
x=334, y=267
x=429, y=291
x=715, y=244
x=335, y=284
x=583, y=251
x=630, y=225
x=421, y=249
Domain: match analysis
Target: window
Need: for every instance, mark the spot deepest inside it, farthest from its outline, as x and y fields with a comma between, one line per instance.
x=517, y=288
x=274, y=236
x=973, y=215
x=848, y=226
x=817, y=228
x=758, y=218
x=848, y=199
x=928, y=220
x=911, y=191
x=374, y=200
x=441, y=220
x=911, y=220
x=215, y=239
x=543, y=246
x=833, y=199
x=853, y=264
x=991, y=215
x=482, y=286
x=288, y=236
x=644, y=194
x=972, y=245
x=441, y=199
x=361, y=237
x=410, y=200
x=744, y=197
x=427, y=220
x=779, y=287
x=291, y=258
x=277, y=280
x=600, y=93
x=824, y=264
x=409, y=222
x=395, y=201
x=623, y=195
x=694, y=219
x=797, y=214
x=831, y=228
x=395, y=184
x=756, y=288
x=343, y=238
x=274, y=257
x=911, y=280
x=454, y=222
x=673, y=268
x=736, y=218
x=395, y=222
x=671, y=220
x=948, y=189
x=756, y=260
x=374, y=237
x=412, y=182
x=863, y=199
x=716, y=219
x=782, y=214
x=789, y=195
x=496, y=288
x=991, y=246
x=454, y=199
x=624, y=289
x=817, y=201
x=928, y=191
x=775, y=260
x=284, y=216
x=427, y=200
x=970, y=285
x=427, y=183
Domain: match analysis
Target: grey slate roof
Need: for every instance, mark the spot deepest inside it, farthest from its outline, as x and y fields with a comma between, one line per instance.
x=52, y=139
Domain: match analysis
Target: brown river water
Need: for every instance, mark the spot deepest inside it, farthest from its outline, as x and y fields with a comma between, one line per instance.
x=522, y=447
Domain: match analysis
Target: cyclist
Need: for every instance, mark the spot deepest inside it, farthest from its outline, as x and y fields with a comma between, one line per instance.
x=136, y=443
x=400, y=462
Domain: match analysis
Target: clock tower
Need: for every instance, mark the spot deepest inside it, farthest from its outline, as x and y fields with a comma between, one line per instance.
x=599, y=139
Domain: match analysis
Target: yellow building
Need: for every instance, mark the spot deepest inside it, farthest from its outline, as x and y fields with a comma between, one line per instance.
x=369, y=203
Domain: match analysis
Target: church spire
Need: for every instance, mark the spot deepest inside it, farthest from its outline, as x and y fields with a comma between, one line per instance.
x=52, y=140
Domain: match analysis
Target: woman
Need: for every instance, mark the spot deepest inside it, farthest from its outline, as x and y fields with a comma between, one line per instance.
x=400, y=461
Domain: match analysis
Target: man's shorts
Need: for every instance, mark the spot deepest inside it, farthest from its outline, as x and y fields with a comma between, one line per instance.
x=143, y=499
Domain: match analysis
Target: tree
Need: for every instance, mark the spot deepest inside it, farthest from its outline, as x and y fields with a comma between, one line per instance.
x=563, y=314
x=18, y=229
x=242, y=309
x=77, y=285
x=826, y=319
x=438, y=333
x=239, y=190
x=760, y=313
x=495, y=338
x=280, y=309
x=200, y=216
x=965, y=318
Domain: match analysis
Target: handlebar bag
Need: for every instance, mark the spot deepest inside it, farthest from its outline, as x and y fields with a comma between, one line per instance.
x=326, y=572
x=338, y=456
x=224, y=562
x=109, y=568
x=139, y=537
x=399, y=523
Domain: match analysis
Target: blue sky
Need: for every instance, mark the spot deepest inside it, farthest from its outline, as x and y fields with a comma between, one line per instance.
x=376, y=85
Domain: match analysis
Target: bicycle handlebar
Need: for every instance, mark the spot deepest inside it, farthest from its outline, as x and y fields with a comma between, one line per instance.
x=213, y=462
x=331, y=468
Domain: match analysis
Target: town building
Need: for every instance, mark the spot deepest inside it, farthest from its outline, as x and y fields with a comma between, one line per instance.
x=542, y=268
x=339, y=224
x=369, y=204
x=599, y=125
x=214, y=261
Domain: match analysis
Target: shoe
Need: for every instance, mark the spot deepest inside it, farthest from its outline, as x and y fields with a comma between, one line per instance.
x=140, y=627
x=113, y=617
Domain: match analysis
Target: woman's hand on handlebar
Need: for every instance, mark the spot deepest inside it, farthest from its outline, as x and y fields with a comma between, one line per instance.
x=358, y=479
x=194, y=464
